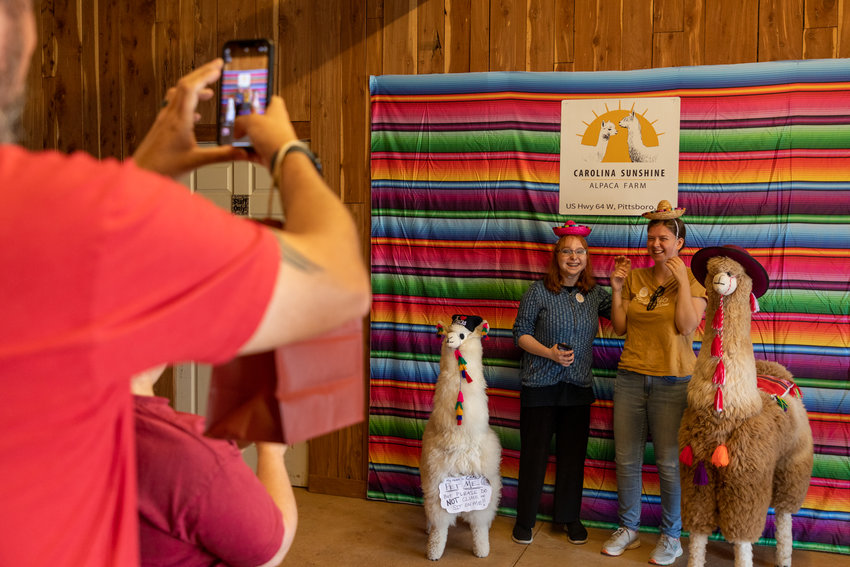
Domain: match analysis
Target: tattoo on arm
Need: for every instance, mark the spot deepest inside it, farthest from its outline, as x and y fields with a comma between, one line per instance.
x=295, y=258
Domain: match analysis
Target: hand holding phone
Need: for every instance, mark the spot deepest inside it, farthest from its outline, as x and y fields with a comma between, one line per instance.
x=245, y=86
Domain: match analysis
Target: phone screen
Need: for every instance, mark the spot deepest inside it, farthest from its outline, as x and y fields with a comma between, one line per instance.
x=245, y=85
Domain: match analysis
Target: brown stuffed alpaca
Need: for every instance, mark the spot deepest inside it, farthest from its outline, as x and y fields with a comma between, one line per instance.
x=743, y=449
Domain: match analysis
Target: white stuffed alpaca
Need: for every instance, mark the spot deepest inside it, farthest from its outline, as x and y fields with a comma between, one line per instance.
x=459, y=467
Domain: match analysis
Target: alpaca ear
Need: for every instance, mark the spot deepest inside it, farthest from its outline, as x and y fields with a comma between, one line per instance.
x=754, y=303
x=485, y=329
x=441, y=329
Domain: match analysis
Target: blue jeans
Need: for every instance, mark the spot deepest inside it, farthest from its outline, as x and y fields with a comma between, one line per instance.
x=656, y=404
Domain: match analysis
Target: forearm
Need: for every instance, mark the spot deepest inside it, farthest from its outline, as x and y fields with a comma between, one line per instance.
x=271, y=471
x=618, y=313
x=318, y=223
x=531, y=345
x=687, y=318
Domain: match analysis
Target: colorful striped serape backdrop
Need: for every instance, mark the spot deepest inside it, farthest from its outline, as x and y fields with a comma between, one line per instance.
x=464, y=198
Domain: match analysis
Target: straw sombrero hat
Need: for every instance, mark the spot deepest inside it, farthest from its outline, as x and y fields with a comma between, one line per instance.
x=570, y=228
x=664, y=211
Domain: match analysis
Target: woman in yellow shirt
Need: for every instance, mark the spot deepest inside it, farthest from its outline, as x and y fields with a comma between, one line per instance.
x=658, y=309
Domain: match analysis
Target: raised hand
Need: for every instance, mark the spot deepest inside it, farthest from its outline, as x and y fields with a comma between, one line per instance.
x=170, y=147
x=622, y=267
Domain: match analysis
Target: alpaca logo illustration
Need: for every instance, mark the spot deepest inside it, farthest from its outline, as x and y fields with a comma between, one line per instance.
x=622, y=136
x=619, y=156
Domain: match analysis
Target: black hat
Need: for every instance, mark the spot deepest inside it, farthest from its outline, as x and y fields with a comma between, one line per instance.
x=468, y=321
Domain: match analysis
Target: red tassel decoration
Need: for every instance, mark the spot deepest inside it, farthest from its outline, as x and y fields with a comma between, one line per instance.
x=754, y=303
x=686, y=457
x=717, y=346
x=720, y=373
x=718, y=400
x=700, y=475
x=459, y=407
x=717, y=322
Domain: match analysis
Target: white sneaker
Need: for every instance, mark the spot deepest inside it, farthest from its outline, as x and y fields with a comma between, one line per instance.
x=666, y=550
x=621, y=540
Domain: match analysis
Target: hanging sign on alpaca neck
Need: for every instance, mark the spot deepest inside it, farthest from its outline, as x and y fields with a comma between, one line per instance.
x=465, y=493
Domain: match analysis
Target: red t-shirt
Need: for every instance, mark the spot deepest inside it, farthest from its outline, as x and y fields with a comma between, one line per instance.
x=107, y=270
x=199, y=503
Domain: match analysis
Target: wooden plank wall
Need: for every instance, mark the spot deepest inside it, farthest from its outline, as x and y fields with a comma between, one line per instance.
x=103, y=66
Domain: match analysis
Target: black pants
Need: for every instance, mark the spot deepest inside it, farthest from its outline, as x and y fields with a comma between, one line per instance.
x=571, y=427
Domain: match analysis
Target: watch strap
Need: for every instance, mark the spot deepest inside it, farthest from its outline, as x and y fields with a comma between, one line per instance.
x=280, y=155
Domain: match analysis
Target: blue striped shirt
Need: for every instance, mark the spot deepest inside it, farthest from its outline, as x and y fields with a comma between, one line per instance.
x=560, y=318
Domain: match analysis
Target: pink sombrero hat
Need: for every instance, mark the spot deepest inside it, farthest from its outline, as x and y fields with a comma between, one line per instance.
x=570, y=228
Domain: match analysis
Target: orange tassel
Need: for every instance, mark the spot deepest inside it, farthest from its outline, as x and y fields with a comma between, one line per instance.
x=720, y=458
x=687, y=456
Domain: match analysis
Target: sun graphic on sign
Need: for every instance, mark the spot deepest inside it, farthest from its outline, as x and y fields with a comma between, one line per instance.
x=614, y=131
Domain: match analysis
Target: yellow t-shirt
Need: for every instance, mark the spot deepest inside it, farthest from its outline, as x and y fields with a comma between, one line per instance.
x=653, y=345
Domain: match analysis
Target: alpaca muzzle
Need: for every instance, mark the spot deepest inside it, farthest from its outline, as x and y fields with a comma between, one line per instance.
x=725, y=283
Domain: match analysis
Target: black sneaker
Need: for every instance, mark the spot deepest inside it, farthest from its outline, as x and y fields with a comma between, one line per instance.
x=522, y=535
x=576, y=533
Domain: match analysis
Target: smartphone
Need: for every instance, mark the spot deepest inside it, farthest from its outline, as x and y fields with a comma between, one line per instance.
x=564, y=346
x=245, y=85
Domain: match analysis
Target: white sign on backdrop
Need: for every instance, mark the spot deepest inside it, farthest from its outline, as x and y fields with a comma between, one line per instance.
x=619, y=156
x=465, y=493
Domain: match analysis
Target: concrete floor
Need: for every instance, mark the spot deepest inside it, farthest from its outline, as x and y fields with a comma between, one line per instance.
x=352, y=532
